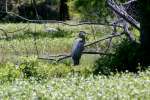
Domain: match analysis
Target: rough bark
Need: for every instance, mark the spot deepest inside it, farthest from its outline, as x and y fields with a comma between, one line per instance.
x=63, y=10
x=145, y=30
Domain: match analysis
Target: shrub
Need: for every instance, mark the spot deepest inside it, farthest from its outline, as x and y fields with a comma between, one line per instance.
x=8, y=72
x=29, y=67
x=126, y=57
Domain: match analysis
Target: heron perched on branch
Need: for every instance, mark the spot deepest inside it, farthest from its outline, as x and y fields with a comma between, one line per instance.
x=78, y=47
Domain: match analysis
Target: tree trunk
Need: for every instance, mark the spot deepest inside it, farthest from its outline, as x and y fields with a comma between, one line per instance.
x=144, y=10
x=63, y=10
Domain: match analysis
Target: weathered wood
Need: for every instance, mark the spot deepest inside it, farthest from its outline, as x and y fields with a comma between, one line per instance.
x=104, y=38
x=123, y=14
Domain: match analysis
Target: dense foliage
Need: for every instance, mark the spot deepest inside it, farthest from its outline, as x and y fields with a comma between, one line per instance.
x=95, y=10
x=24, y=76
x=127, y=57
x=34, y=9
x=90, y=9
x=74, y=87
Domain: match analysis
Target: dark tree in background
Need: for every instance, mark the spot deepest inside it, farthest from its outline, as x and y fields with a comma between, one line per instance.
x=145, y=29
x=35, y=9
x=2, y=8
x=63, y=10
x=43, y=10
x=3, y=14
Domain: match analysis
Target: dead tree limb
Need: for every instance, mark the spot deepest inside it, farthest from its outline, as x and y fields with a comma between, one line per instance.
x=101, y=53
x=35, y=8
x=65, y=57
x=119, y=11
x=69, y=55
x=125, y=29
x=104, y=38
x=42, y=58
x=55, y=21
x=128, y=2
x=128, y=33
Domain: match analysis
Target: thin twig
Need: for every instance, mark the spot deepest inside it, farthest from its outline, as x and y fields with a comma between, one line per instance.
x=123, y=14
x=56, y=21
x=101, y=53
x=94, y=34
x=42, y=58
x=128, y=33
x=69, y=55
x=65, y=57
x=129, y=2
x=35, y=8
x=104, y=38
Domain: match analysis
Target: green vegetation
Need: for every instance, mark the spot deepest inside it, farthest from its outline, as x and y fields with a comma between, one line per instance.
x=22, y=43
x=20, y=50
x=120, y=86
x=24, y=76
x=119, y=74
x=89, y=10
x=126, y=57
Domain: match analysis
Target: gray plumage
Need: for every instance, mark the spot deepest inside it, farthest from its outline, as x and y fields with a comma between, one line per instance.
x=78, y=47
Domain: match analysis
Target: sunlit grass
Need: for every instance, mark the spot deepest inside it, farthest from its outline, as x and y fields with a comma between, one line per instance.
x=120, y=86
x=24, y=76
x=27, y=39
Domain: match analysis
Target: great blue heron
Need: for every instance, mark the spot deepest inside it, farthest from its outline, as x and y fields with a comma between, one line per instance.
x=78, y=47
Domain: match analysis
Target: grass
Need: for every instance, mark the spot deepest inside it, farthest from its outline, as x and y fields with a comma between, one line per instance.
x=22, y=42
x=24, y=77
x=120, y=86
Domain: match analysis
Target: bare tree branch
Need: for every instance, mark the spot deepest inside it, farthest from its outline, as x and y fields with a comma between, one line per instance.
x=69, y=55
x=42, y=58
x=128, y=33
x=123, y=14
x=65, y=57
x=129, y=2
x=55, y=21
x=101, y=53
x=104, y=38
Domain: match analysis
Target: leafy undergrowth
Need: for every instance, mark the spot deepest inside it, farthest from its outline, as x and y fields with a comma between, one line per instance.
x=127, y=56
x=28, y=39
x=33, y=68
x=125, y=86
x=32, y=80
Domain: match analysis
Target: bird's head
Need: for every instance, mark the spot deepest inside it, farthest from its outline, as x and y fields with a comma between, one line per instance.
x=82, y=34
